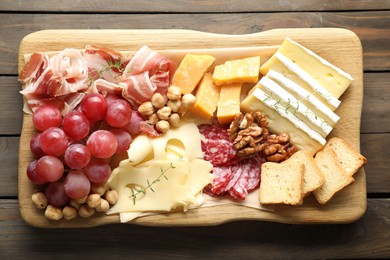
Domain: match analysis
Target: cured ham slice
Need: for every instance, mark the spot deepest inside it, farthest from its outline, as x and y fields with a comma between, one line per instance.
x=52, y=80
x=147, y=59
x=104, y=63
x=138, y=88
x=65, y=103
x=104, y=87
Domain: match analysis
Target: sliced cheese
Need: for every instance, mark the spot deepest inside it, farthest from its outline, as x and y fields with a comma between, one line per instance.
x=278, y=124
x=283, y=65
x=229, y=103
x=185, y=179
x=190, y=71
x=305, y=97
x=237, y=71
x=207, y=96
x=335, y=80
x=297, y=108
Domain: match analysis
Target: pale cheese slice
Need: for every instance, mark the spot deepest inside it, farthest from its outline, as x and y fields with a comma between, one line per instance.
x=297, y=108
x=335, y=80
x=305, y=97
x=278, y=124
x=317, y=87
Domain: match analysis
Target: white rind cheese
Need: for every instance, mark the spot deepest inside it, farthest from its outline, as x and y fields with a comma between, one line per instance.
x=305, y=97
x=274, y=104
x=335, y=80
x=297, y=108
x=303, y=75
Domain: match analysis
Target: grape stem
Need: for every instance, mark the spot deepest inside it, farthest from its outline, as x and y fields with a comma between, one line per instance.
x=136, y=191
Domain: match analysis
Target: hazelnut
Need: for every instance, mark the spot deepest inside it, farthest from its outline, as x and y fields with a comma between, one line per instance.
x=82, y=200
x=162, y=126
x=85, y=211
x=53, y=213
x=98, y=188
x=174, y=93
x=174, y=120
x=74, y=204
x=164, y=112
x=174, y=105
x=158, y=100
x=146, y=108
x=188, y=100
x=111, y=196
x=93, y=200
x=153, y=118
x=39, y=200
x=69, y=212
x=103, y=206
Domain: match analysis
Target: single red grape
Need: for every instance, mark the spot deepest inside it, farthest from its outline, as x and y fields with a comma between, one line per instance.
x=77, y=185
x=53, y=141
x=133, y=126
x=55, y=194
x=47, y=116
x=102, y=144
x=118, y=113
x=94, y=106
x=123, y=138
x=35, y=147
x=77, y=156
x=33, y=175
x=75, y=125
x=97, y=171
x=50, y=168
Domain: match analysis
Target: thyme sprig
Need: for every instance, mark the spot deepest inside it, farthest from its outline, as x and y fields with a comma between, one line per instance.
x=142, y=190
x=291, y=107
x=111, y=64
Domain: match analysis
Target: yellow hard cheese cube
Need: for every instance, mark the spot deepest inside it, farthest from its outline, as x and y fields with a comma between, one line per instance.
x=190, y=71
x=237, y=71
x=229, y=103
x=207, y=96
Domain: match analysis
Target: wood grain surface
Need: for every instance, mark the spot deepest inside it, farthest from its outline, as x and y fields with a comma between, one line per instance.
x=341, y=47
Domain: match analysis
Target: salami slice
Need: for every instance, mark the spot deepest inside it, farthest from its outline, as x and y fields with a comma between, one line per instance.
x=219, y=152
x=214, y=132
x=221, y=178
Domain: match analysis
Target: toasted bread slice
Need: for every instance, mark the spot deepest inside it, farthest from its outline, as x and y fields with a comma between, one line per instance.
x=350, y=160
x=335, y=177
x=281, y=183
x=313, y=178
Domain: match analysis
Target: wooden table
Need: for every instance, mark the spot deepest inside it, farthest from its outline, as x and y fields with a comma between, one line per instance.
x=368, y=237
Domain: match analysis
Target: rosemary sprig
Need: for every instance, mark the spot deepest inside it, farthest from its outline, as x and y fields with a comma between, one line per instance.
x=136, y=191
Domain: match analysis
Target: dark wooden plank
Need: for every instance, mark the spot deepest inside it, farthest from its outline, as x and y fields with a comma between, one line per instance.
x=191, y=6
x=373, y=146
x=376, y=103
x=376, y=149
x=11, y=105
x=373, y=28
x=9, y=150
x=366, y=238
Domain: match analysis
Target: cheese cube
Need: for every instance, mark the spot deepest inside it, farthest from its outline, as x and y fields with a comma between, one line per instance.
x=237, y=71
x=229, y=103
x=191, y=71
x=207, y=96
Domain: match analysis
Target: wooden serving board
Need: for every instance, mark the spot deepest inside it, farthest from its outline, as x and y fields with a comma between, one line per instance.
x=341, y=47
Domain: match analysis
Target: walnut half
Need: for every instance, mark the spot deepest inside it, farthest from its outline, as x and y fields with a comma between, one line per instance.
x=250, y=136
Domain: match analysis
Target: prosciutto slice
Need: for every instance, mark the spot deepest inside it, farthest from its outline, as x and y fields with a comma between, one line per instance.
x=138, y=88
x=52, y=80
x=147, y=59
x=146, y=73
x=104, y=63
